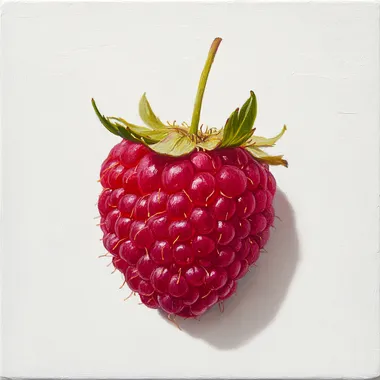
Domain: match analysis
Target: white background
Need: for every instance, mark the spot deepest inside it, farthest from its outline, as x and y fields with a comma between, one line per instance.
x=311, y=307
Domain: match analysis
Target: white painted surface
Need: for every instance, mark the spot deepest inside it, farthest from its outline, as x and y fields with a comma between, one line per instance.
x=311, y=307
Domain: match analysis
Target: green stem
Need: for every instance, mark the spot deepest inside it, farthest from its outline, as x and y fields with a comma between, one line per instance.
x=202, y=86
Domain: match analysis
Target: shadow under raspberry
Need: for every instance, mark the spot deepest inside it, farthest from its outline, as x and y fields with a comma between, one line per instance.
x=260, y=294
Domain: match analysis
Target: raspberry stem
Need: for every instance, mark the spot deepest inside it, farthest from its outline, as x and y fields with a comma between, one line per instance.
x=202, y=86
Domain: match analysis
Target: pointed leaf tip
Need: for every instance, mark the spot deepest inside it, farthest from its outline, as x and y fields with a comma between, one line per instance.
x=106, y=123
x=265, y=142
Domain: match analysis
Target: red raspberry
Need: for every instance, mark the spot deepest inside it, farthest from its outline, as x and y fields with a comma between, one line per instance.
x=185, y=213
x=186, y=231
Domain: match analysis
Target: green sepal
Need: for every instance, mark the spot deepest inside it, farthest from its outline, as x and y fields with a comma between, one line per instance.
x=254, y=144
x=260, y=155
x=148, y=116
x=150, y=136
x=264, y=142
x=134, y=128
x=229, y=128
x=177, y=143
x=127, y=134
x=120, y=127
x=238, y=128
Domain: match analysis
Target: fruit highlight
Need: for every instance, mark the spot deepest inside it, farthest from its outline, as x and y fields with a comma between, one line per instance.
x=185, y=211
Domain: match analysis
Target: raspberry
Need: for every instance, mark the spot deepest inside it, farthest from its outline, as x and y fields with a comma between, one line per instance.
x=185, y=212
x=186, y=231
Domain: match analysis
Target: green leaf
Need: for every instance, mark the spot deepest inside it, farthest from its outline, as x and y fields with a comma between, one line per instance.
x=262, y=156
x=176, y=143
x=259, y=141
x=147, y=115
x=239, y=130
x=110, y=126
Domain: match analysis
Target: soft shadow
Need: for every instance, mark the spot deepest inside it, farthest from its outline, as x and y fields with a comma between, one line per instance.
x=260, y=294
